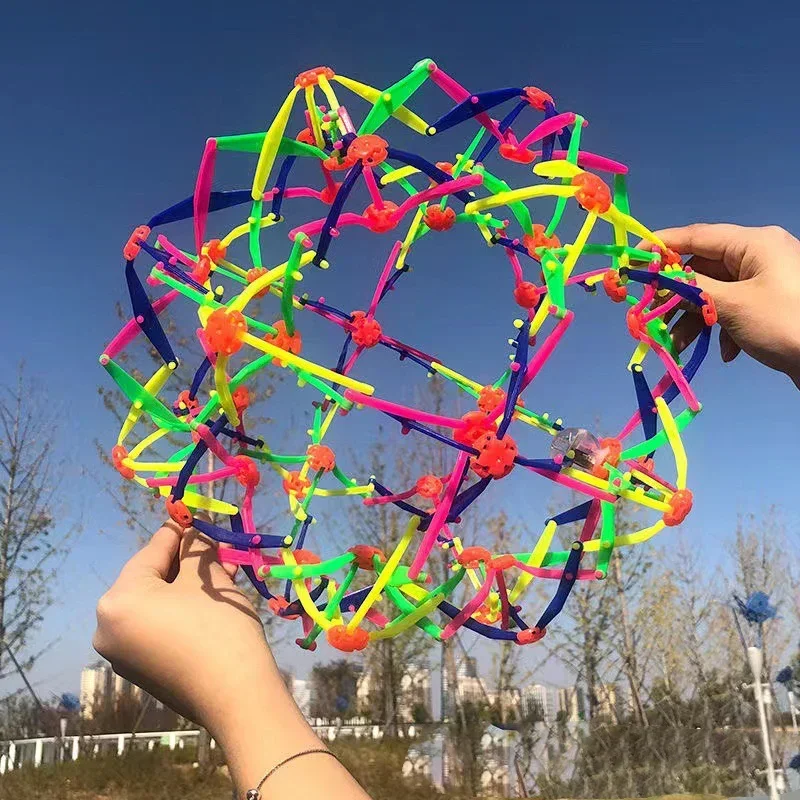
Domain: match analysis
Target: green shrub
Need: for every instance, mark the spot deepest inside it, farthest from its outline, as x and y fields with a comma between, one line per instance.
x=133, y=776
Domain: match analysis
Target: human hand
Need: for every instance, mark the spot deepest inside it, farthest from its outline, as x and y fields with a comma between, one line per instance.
x=753, y=276
x=175, y=624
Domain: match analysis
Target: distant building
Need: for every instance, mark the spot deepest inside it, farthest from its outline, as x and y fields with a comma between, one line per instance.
x=102, y=688
x=469, y=687
x=301, y=692
x=97, y=688
x=413, y=698
x=571, y=703
x=538, y=701
x=416, y=697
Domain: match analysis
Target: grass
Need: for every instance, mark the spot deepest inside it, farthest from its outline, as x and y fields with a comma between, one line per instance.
x=134, y=776
x=163, y=775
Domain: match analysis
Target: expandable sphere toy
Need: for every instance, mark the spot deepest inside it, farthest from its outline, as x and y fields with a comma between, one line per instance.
x=409, y=197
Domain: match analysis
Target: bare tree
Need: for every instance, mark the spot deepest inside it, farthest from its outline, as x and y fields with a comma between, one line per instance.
x=583, y=639
x=629, y=574
x=391, y=664
x=761, y=561
x=29, y=502
x=333, y=689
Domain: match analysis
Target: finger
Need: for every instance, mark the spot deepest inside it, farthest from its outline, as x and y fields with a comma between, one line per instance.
x=727, y=296
x=721, y=242
x=710, y=268
x=230, y=569
x=155, y=559
x=728, y=349
x=686, y=330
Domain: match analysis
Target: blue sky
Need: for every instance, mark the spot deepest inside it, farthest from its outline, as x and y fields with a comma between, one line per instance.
x=106, y=113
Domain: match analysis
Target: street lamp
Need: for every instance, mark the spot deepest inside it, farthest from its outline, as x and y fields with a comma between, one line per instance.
x=755, y=611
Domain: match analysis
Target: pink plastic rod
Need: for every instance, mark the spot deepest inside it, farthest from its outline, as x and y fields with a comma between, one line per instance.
x=556, y=573
x=301, y=191
x=389, y=498
x=174, y=252
x=209, y=353
x=546, y=350
x=470, y=607
x=403, y=411
x=384, y=277
x=352, y=361
x=202, y=191
x=409, y=349
x=573, y=483
x=551, y=125
x=435, y=192
x=504, y=604
x=379, y=619
x=454, y=89
x=130, y=330
x=247, y=558
x=345, y=118
x=678, y=377
x=248, y=523
x=516, y=267
x=204, y=432
x=315, y=227
x=590, y=523
x=372, y=187
x=590, y=161
x=439, y=516
x=663, y=309
x=216, y=475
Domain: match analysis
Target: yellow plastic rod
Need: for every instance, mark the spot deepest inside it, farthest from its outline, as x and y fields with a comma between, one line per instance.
x=632, y=225
x=371, y=95
x=576, y=248
x=386, y=574
x=675, y=442
x=272, y=141
x=312, y=113
x=397, y=174
x=470, y=572
x=309, y=366
x=264, y=282
x=153, y=387
x=557, y=169
x=525, y=193
x=147, y=441
x=535, y=560
x=194, y=500
x=242, y=230
x=400, y=625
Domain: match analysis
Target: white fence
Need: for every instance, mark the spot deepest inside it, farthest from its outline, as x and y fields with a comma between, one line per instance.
x=50, y=749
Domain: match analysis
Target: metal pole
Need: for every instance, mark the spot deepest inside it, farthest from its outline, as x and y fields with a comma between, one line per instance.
x=755, y=658
x=793, y=710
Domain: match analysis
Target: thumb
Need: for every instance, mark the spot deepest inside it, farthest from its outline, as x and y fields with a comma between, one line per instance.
x=155, y=559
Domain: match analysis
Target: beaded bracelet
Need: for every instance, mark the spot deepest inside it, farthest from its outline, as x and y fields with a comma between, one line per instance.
x=255, y=794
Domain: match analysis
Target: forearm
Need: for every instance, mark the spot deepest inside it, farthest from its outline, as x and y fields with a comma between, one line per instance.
x=262, y=728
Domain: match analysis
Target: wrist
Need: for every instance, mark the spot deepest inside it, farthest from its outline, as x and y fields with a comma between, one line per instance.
x=258, y=725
